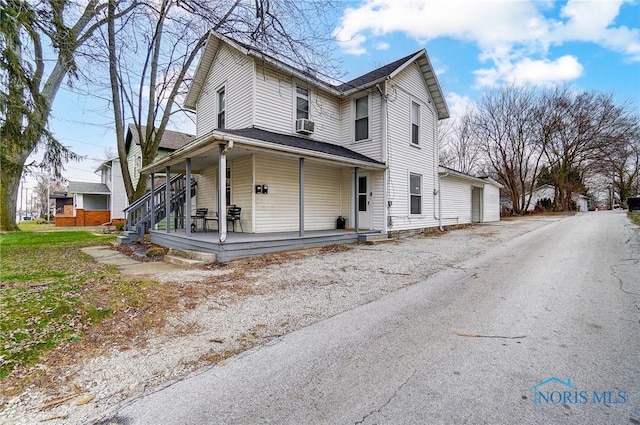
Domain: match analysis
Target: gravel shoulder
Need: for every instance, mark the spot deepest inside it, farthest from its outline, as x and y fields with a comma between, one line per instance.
x=248, y=303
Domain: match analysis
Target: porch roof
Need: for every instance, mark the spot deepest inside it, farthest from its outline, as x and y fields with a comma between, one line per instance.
x=258, y=140
x=446, y=171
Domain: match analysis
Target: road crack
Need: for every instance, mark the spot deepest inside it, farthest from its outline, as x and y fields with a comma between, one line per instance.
x=614, y=274
x=385, y=404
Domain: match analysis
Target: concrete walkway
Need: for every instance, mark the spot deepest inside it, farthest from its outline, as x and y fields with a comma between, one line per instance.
x=125, y=264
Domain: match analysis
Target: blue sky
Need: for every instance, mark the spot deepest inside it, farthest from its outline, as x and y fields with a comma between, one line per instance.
x=473, y=45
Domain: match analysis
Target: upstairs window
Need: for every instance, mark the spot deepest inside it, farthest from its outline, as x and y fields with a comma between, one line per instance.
x=138, y=165
x=415, y=193
x=415, y=123
x=362, y=118
x=221, y=108
x=302, y=103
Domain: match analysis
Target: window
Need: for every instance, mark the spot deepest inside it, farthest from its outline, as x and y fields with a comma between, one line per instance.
x=415, y=123
x=415, y=191
x=138, y=165
x=221, y=108
x=362, y=118
x=302, y=103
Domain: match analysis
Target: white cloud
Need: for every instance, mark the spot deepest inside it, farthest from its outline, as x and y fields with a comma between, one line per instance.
x=383, y=45
x=531, y=71
x=458, y=104
x=514, y=36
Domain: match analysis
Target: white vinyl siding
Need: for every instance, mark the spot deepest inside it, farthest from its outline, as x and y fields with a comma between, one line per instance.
x=233, y=71
x=119, y=199
x=371, y=147
x=404, y=158
x=456, y=201
x=491, y=203
x=277, y=211
x=321, y=196
x=273, y=100
x=241, y=189
x=275, y=106
x=206, y=193
x=325, y=112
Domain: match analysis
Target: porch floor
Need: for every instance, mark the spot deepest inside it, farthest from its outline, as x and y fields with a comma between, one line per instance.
x=239, y=245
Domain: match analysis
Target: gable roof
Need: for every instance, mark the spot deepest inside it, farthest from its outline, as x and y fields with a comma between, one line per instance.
x=300, y=143
x=342, y=90
x=87, y=187
x=171, y=140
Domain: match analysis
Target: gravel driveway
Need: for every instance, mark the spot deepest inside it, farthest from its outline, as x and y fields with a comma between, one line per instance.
x=252, y=306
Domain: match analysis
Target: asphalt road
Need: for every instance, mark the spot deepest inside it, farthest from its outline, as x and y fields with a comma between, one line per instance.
x=560, y=304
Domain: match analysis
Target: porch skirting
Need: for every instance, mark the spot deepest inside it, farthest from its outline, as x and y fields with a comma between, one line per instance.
x=241, y=245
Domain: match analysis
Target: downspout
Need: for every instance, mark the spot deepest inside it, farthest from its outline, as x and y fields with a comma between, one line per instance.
x=436, y=166
x=222, y=198
x=384, y=156
x=439, y=217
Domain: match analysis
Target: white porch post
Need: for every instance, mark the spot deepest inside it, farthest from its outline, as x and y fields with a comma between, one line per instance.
x=222, y=196
x=167, y=199
x=187, y=199
x=152, y=206
x=356, y=177
x=301, y=199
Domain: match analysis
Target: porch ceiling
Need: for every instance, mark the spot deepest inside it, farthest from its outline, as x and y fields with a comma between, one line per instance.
x=204, y=151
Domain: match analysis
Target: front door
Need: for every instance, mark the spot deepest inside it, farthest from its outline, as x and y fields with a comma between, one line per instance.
x=364, y=201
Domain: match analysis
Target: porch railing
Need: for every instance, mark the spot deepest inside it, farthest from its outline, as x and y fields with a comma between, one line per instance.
x=139, y=213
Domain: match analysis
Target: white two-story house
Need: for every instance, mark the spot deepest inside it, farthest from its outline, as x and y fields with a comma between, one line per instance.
x=298, y=155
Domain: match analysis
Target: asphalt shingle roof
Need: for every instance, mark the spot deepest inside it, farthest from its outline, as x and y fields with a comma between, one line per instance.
x=300, y=143
x=171, y=140
x=374, y=75
x=86, y=187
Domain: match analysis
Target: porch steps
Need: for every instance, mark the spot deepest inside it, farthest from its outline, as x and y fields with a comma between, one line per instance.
x=188, y=258
x=126, y=237
x=376, y=239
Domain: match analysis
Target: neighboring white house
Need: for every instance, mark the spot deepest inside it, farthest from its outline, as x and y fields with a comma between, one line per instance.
x=111, y=175
x=547, y=191
x=365, y=150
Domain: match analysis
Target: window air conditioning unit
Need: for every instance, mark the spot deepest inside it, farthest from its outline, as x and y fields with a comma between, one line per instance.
x=304, y=126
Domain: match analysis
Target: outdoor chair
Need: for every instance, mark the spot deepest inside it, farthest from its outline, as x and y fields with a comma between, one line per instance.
x=233, y=215
x=200, y=215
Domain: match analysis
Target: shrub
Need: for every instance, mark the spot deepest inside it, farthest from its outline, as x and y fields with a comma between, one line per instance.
x=154, y=252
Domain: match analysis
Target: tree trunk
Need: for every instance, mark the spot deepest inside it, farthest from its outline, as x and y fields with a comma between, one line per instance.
x=10, y=177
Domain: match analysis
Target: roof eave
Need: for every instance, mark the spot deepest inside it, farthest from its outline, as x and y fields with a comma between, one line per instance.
x=215, y=137
x=432, y=83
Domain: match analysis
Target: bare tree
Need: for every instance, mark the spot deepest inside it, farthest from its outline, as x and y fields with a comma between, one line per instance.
x=39, y=42
x=620, y=166
x=151, y=52
x=506, y=126
x=459, y=149
x=581, y=130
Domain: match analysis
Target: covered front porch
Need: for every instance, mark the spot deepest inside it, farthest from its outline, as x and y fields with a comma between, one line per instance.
x=289, y=193
x=240, y=245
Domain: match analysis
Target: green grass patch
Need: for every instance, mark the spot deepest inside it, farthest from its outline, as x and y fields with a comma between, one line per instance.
x=34, y=226
x=635, y=217
x=51, y=292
